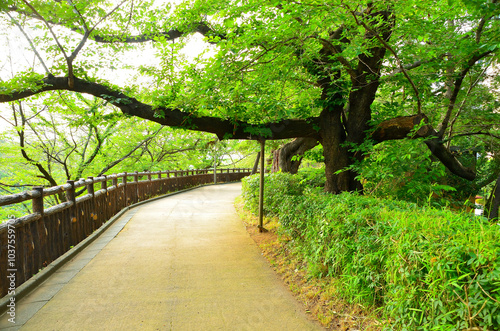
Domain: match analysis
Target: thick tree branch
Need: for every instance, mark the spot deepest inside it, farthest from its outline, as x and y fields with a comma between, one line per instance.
x=288, y=157
x=403, y=127
x=398, y=60
x=223, y=128
x=399, y=128
x=482, y=22
x=200, y=27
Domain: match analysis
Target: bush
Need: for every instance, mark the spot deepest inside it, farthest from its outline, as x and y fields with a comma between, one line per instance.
x=277, y=185
x=425, y=268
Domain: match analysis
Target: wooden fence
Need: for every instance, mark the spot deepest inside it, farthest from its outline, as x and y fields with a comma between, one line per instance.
x=31, y=242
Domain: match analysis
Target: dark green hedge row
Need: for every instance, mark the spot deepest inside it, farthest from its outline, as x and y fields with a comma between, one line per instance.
x=426, y=269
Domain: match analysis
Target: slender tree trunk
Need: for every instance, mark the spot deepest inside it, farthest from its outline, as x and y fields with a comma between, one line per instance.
x=276, y=156
x=256, y=164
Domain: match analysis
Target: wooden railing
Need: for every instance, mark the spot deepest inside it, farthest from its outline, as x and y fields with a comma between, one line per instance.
x=31, y=242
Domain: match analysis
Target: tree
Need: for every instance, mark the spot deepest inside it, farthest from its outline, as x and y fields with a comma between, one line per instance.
x=341, y=72
x=47, y=144
x=289, y=156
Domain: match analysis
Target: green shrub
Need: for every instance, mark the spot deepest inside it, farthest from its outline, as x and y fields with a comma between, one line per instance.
x=277, y=185
x=427, y=269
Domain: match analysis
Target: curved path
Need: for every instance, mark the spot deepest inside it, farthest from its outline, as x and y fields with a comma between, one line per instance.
x=184, y=262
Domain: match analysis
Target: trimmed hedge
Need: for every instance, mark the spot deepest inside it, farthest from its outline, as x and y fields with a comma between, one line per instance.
x=427, y=269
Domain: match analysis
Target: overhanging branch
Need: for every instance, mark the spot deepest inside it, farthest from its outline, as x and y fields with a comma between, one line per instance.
x=223, y=128
x=200, y=27
x=403, y=127
x=396, y=128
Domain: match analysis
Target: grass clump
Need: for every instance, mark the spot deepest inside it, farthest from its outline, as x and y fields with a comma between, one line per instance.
x=423, y=268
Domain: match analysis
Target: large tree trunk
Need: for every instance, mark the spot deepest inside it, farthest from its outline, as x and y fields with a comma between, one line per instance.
x=289, y=157
x=365, y=82
x=336, y=155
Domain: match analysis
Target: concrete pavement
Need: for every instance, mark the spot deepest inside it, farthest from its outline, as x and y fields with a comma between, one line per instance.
x=184, y=262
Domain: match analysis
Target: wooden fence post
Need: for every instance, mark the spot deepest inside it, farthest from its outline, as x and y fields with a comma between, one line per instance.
x=90, y=187
x=38, y=234
x=92, y=211
x=104, y=184
x=159, y=186
x=75, y=229
x=125, y=193
x=37, y=203
x=136, y=191
x=114, y=195
x=104, y=199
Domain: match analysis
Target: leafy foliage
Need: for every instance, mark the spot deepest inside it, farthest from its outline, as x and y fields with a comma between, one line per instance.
x=67, y=137
x=267, y=62
x=425, y=268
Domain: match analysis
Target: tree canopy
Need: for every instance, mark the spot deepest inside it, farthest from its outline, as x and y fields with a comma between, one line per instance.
x=342, y=73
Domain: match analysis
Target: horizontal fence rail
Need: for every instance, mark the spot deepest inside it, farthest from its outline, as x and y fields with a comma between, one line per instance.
x=32, y=242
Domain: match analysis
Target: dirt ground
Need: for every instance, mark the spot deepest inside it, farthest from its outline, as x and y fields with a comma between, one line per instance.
x=318, y=295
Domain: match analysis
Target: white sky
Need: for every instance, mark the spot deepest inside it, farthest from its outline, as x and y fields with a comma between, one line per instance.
x=16, y=55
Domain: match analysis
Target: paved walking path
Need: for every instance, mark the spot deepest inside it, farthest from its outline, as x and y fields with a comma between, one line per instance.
x=184, y=262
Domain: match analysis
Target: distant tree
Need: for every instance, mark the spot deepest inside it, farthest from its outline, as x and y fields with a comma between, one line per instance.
x=73, y=138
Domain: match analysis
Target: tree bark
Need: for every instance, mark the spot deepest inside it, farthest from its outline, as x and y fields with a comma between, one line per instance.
x=226, y=129
x=401, y=127
x=336, y=155
x=493, y=205
x=284, y=157
x=365, y=82
x=275, y=167
x=256, y=164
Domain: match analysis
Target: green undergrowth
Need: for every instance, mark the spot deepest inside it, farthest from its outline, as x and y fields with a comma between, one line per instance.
x=423, y=268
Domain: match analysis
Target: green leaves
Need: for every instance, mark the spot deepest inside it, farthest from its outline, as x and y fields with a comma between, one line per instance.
x=229, y=23
x=23, y=81
x=424, y=268
x=4, y=5
x=272, y=61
